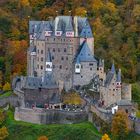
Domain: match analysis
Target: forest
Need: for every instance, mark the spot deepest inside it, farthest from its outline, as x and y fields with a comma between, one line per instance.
x=115, y=25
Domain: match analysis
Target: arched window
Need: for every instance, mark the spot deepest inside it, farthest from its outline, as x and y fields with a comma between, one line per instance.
x=48, y=66
x=77, y=67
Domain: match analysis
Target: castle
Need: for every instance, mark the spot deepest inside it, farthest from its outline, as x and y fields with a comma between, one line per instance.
x=61, y=56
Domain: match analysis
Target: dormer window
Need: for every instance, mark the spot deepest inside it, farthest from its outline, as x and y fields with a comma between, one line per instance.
x=48, y=66
x=77, y=66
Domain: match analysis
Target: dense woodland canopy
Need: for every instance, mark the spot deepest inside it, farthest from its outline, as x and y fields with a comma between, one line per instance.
x=115, y=25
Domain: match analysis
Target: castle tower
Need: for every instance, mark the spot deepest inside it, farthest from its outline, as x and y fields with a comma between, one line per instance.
x=118, y=81
x=32, y=64
x=101, y=72
x=48, y=63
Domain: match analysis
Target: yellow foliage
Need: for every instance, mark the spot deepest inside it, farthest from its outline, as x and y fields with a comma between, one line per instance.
x=24, y=2
x=3, y=133
x=72, y=98
x=105, y=137
x=43, y=138
x=120, y=124
x=2, y=117
x=111, y=7
x=6, y=87
x=97, y=4
x=80, y=11
x=15, y=32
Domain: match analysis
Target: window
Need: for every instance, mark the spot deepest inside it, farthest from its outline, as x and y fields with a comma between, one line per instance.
x=41, y=67
x=65, y=50
x=38, y=50
x=62, y=58
x=60, y=66
x=48, y=66
x=81, y=76
x=90, y=68
x=41, y=51
x=81, y=66
x=53, y=49
x=113, y=89
x=77, y=67
x=90, y=64
x=66, y=58
x=41, y=58
x=52, y=57
x=54, y=39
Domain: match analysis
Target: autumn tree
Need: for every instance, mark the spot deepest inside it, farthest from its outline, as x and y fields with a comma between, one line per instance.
x=6, y=87
x=2, y=117
x=105, y=137
x=42, y=138
x=3, y=133
x=80, y=11
x=120, y=125
x=72, y=98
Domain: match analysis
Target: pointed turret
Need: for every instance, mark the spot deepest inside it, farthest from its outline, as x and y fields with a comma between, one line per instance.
x=119, y=76
x=113, y=68
x=85, y=54
x=118, y=81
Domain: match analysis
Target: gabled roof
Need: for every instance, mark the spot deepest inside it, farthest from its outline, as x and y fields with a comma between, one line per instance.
x=86, y=32
x=85, y=54
x=65, y=23
x=69, y=26
x=48, y=81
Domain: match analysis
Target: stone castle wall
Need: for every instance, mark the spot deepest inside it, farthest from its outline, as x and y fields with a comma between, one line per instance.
x=49, y=116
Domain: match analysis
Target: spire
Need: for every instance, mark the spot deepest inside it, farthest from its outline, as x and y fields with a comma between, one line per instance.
x=119, y=76
x=113, y=68
x=101, y=63
x=49, y=58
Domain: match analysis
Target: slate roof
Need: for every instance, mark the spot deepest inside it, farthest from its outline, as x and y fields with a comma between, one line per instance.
x=119, y=76
x=109, y=78
x=113, y=68
x=48, y=81
x=85, y=54
x=65, y=23
x=86, y=32
x=101, y=64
